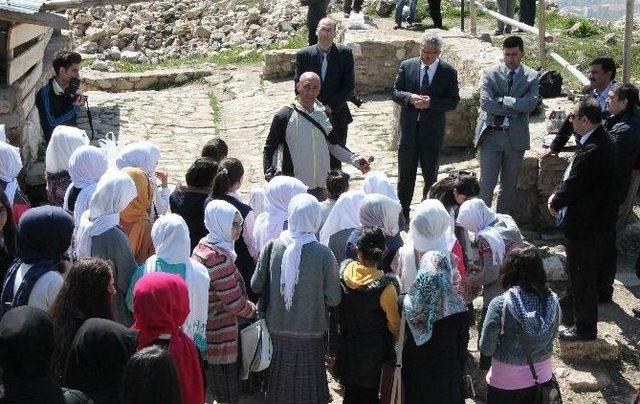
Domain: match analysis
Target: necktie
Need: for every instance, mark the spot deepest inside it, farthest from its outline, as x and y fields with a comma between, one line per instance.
x=323, y=66
x=425, y=81
x=510, y=79
x=500, y=119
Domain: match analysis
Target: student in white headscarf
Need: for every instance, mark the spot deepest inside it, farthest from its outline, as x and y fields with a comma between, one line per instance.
x=493, y=236
x=64, y=141
x=300, y=278
x=278, y=193
x=145, y=155
x=341, y=222
x=257, y=201
x=382, y=212
x=10, y=166
x=228, y=300
x=100, y=236
x=170, y=236
x=86, y=165
x=377, y=182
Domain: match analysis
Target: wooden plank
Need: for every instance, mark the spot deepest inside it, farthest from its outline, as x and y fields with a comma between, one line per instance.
x=515, y=23
x=542, y=29
x=28, y=102
x=21, y=33
x=570, y=68
x=628, y=38
x=47, y=19
x=28, y=82
x=57, y=5
x=17, y=67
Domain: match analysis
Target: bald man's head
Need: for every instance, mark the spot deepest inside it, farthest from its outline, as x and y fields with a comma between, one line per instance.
x=308, y=89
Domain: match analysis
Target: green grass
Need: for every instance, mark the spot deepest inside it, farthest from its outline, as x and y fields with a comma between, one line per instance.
x=214, y=103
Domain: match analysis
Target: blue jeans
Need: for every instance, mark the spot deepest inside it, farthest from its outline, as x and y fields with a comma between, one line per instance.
x=412, y=10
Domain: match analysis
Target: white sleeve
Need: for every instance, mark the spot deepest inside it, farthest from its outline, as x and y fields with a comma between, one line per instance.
x=161, y=200
x=247, y=234
x=46, y=290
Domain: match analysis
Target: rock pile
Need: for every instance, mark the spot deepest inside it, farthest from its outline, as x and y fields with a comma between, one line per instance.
x=151, y=32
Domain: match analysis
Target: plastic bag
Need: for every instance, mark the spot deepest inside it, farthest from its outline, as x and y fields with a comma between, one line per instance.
x=356, y=20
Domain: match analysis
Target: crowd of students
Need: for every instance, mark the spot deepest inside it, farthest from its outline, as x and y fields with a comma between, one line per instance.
x=107, y=293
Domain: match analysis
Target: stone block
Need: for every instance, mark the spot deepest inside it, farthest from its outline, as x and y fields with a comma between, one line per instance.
x=602, y=349
x=585, y=382
x=278, y=64
x=554, y=269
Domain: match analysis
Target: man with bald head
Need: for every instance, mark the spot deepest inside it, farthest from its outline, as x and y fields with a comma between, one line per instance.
x=305, y=134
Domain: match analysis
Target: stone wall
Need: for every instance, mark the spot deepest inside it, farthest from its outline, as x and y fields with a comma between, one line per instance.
x=118, y=82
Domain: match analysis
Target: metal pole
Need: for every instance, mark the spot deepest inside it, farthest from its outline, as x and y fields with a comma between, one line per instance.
x=472, y=14
x=542, y=27
x=628, y=36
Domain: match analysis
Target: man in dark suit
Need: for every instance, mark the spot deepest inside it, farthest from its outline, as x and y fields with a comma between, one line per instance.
x=426, y=88
x=584, y=206
x=333, y=63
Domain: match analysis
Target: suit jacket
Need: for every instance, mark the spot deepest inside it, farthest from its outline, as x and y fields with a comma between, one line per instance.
x=495, y=84
x=339, y=81
x=624, y=129
x=444, y=93
x=588, y=191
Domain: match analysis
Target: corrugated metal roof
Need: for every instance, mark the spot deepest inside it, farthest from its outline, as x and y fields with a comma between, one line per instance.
x=21, y=6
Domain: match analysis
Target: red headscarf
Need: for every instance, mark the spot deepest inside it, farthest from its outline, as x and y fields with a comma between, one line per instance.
x=161, y=306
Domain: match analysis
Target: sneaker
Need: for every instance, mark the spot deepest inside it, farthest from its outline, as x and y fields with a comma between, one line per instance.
x=397, y=26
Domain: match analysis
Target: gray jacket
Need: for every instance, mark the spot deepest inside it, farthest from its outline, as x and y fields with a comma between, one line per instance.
x=317, y=289
x=524, y=89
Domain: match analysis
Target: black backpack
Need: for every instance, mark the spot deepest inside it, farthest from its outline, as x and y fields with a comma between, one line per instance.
x=550, y=84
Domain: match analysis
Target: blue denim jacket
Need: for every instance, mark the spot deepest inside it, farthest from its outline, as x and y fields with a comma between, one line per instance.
x=502, y=340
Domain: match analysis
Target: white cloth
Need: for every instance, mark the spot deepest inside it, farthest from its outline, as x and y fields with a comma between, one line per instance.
x=113, y=193
x=380, y=211
x=304, y=221
x=278, y=194
x=64, y=141
x=87, y=164
x=429, y=230
x=3, y=135
x=258, y=201
x=218, y=219
x=377, y=182
x=247, y=228
x=170, y=236
x=10, y=166
x=477, y=218
x=344, y=215
x=44, y=291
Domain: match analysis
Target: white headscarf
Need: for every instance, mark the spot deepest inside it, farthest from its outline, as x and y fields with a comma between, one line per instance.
x=477, y=218
x=344, y=215
x=170, y=236
x=278, y=193
x=10, y=166
x=86, y=165
x=258, y=201
x=218, y=219
x=305, y=218
x=429, y=230
x=64, y=141
x=114, y=192
x=143, y=155
x=377, y=182
x=3, y=135
x=380, y=211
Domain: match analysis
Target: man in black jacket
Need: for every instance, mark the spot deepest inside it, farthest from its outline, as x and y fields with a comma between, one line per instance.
x=426, y=88
x=584, y=205
x=333, y=63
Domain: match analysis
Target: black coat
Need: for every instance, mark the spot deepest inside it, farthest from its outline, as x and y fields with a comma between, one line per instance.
x=625, y=133
x=588, y=192
x=339, y=82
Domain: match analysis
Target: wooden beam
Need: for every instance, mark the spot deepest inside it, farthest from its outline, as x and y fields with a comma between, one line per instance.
x=570, y=68
x=57, y=5
x=542, y=30
x=47, y=19
x=28, y=102
x=29, y=81
x=21, y=33
x=515, y=23
x=472, y=17
x=17, y=67
x=628, y=38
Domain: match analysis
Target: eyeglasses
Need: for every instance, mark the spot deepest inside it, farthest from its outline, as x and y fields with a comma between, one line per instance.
x=571, y=116
x=237, y=224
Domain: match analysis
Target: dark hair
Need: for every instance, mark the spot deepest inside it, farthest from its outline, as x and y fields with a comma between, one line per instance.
x=512, y=42
x=523, y=267
x=629, y=92
x=84, y=294
x=66, y=59
x=337, y=183
x=371, y=245
x=443, y=191
x=9, y=229
x=467, y=185
x=150, y=377
x=230, y=171
x=215, y=149
x=201, y=173
x=607, y=64
x=589, y=107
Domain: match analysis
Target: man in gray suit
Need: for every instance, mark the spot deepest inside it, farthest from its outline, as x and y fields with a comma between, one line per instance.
x=426, y=88
x=509, y=93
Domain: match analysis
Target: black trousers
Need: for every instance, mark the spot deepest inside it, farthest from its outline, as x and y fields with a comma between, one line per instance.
x=357, y=6
x=485, y=361
x=521, y=396
x=528, y=11
x=316, y=11
x=585, y=258
x=425, y=151
x=607, y=272
x=360, y=395
x=435, y=12
x=340, y=135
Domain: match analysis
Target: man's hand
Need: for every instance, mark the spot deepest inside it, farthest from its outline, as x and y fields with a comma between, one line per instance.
x=365, y=164
x=553, y=212
x=508, y=101
x=163, y=177
x=420, y=101
x=549, y=153
x=79, y=101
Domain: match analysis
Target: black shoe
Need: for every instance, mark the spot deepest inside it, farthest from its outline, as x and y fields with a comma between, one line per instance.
x=572, y=335
x=397, y=26
x=636, y=312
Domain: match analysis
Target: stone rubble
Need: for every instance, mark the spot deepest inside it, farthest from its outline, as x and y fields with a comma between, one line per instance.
x=152, y=32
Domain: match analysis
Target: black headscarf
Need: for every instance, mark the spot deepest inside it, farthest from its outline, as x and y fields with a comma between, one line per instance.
x=97, y=359
x=26, y=346
x=44, y=233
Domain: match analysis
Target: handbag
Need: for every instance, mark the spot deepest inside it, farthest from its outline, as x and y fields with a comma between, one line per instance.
x=391, y=380
x=550, y=82
x=547, y=393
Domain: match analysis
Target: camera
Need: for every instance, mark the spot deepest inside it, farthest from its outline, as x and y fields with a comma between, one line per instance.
x=71, y=92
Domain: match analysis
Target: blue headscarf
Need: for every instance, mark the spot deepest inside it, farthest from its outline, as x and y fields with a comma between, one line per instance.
x=43, y=233
x=536, y=315
x=432, y=297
